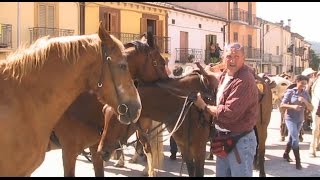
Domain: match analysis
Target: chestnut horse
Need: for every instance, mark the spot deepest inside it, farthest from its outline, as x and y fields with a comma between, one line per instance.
x=315, y=99
x=162, y=102
x=264, y=85
x=81, y=124
x=40, y=82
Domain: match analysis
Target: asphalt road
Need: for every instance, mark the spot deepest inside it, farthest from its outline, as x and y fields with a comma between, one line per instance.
x=274, y=164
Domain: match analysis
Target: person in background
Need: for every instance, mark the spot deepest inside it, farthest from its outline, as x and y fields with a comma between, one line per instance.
x=311, y=74
x=236, y=112
x=294, y=102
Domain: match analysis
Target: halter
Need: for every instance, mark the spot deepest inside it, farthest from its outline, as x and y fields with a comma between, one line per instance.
x=122, y=108
x=155, y=64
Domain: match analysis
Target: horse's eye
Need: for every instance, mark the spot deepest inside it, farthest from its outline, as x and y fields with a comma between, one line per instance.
x=123, y=66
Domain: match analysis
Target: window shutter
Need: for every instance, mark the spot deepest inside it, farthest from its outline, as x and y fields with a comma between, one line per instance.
x=50, y=22
x=159, y=28
x=143, y=25
x=159, y=32
x=42, y=16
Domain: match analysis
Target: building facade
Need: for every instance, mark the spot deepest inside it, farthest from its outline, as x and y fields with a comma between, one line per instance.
x=23, y=22
x=191, y=33
x=129, y=20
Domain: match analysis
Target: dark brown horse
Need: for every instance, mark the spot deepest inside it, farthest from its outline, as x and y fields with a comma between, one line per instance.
x=82, y=123
x=40, y=82
x=264, y=85
x=163, y=102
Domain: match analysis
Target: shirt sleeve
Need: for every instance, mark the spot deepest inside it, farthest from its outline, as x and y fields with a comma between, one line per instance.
x=287, y=96
x=239, y=100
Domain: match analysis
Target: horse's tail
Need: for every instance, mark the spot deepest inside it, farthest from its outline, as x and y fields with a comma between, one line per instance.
x=157, y=145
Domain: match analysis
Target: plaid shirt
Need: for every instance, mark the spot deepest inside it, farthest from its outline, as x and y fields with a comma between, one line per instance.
x=238, y=107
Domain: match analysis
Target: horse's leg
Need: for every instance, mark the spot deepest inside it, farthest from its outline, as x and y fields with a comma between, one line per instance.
x=199, y=161
x=97, y=161
x=315, y=133
x=139, y=147
x=282, y=126
x=149, y=169
x=120, y=162
x=262, y=151
x=69, y=157
x=256, y=156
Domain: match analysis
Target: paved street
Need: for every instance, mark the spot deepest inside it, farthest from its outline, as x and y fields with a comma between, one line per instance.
x=275, y=165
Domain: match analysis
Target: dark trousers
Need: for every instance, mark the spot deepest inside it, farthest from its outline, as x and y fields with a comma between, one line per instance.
x=173, y=146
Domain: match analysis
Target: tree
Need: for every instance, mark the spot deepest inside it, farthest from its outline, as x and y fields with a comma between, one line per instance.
x=315, y=60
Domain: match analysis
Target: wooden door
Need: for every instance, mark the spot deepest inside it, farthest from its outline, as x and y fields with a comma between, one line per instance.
x=183, y=47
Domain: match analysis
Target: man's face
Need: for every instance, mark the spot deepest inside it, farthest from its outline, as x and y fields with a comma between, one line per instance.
x=234, y=57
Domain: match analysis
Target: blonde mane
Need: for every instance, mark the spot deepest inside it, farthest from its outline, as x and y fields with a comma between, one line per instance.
x=26, y=59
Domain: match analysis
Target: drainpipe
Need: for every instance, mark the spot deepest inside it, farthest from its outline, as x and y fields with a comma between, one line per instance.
x=79, y=10
x=228, y=6
x=18, y=25
x=224, y=33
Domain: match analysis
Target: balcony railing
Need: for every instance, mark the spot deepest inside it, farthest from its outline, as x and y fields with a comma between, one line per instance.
x=188, y=55
x=255, y=21
x=37, y=32
x=238, y=14
x=269, y=58
x=163, y=43
x=5, y=36
x=251, y=52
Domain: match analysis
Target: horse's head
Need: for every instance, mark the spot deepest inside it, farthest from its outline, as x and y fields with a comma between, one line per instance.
x=115, y=86
x=145, y=60
x=114, y=135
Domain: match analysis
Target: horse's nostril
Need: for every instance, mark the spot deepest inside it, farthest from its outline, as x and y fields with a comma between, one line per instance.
x=122, y=109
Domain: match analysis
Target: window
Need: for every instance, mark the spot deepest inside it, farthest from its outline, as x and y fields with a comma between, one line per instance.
x=46, y=16
x=200, y=26
x=267, y=28
x=278, y=50
x=173, y=21
x=235, y=37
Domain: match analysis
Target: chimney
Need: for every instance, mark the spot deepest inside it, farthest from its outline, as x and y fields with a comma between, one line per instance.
x=289, y=22
x=281, y=23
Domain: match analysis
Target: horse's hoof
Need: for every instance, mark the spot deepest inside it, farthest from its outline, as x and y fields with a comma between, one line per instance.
x=262, y=174
x=133, y=161
x=282, y=139
x=119, y=164
x=313, y=154
x=145, y=172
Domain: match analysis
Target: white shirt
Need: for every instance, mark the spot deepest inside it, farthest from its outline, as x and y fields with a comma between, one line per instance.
x=226, y=80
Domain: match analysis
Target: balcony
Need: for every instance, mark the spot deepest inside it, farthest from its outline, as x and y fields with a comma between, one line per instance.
x=37, y=32
x=254, y=21
x=252, y=53
x=163, y=43
x=5, y=36
x=240, y=15
x=187, y=55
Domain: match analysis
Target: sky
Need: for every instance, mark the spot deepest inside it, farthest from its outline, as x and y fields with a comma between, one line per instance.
x=305, y=16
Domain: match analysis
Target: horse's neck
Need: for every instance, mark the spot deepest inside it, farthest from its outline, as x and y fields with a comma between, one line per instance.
x=52, y=89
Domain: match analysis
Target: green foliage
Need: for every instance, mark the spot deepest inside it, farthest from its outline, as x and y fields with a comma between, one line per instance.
x=315, y=60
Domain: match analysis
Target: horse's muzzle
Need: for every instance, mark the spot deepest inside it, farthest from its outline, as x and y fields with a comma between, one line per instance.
x=129, y=113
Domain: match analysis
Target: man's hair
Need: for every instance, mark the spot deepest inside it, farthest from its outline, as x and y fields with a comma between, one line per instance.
x=236, y=46
x=301, y=78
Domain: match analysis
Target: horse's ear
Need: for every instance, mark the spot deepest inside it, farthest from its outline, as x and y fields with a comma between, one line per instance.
x=104, y=35
x=144, y=38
